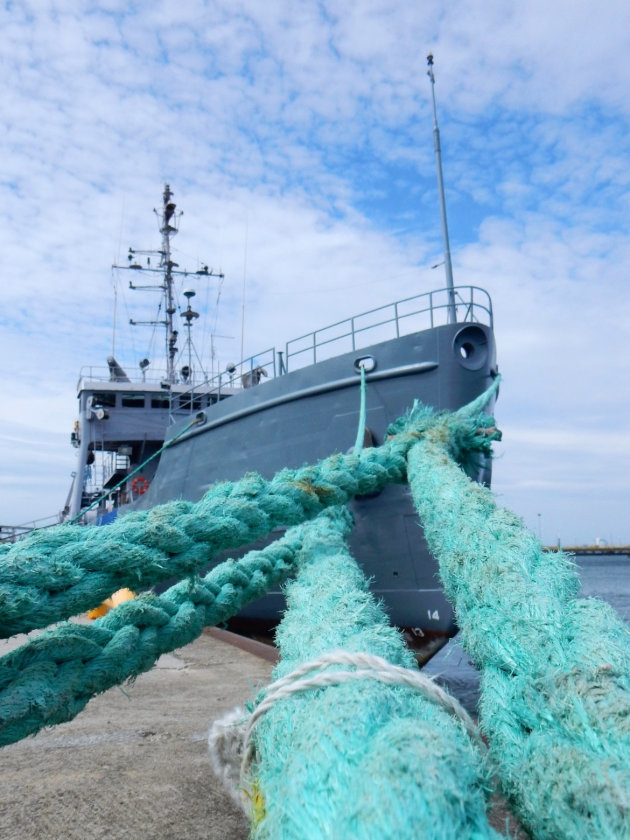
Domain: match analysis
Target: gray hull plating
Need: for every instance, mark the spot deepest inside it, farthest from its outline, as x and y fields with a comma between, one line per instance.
x=308, y=414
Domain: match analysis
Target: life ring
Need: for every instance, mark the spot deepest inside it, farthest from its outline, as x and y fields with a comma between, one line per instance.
x=140, y=485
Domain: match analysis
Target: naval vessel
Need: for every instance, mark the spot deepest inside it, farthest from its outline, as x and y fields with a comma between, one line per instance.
x=287, y=406
x=284, y=407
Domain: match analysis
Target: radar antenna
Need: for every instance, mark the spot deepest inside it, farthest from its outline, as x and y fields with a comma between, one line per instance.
x=448, y=267
x=169, y=226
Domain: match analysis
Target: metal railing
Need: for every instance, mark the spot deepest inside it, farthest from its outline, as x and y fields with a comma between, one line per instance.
x=13, y=533
x=248, y=373
x=420, y=312
x=413, y=314
x=101, y=373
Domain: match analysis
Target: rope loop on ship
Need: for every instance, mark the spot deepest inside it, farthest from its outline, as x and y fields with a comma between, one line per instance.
x=365, y=755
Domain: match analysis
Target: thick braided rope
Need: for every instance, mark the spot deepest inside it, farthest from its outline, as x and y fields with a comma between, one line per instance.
x=51, y=678
x=58, y=572
x=555, y=701
x=367, y=667
x=365, y=758
x=63, y=570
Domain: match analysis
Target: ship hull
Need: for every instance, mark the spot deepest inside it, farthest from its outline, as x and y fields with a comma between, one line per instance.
x=308, y=414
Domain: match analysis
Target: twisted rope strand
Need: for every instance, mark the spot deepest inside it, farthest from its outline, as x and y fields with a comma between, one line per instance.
x=51, y=678
x=62, y=571
x=555, y=699
x=58, y=572
x=364, y=759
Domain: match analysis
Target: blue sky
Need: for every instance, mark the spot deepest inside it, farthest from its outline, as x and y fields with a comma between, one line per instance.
x=297, y=139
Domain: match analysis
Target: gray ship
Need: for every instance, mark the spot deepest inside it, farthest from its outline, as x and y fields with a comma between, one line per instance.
x=285, y=408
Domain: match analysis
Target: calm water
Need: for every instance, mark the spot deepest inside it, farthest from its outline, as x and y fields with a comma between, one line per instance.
x=604, y=577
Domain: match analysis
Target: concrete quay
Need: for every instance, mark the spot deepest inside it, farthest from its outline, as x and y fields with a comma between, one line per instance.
x=134, y=764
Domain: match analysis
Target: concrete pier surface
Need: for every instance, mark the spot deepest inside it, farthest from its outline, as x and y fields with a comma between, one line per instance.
x=134, y=764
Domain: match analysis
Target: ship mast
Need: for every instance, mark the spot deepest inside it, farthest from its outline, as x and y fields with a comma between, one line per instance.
x=448, y=266
x=167, y=230
x=168, y=226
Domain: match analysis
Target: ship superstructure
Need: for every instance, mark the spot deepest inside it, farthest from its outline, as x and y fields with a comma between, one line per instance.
x=123, y=419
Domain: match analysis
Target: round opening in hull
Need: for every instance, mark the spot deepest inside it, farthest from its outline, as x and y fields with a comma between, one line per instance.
x=470, y=346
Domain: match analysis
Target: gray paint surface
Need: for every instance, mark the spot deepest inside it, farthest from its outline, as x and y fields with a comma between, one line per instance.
x=266, y=428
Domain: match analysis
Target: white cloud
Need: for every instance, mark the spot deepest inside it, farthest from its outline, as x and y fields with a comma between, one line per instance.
x=307, y=131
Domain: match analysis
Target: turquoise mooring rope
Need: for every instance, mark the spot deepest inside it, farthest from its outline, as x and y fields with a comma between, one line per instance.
x=358, y=444
x=56, y=573
x=61, y=571
x=360, y=760
x=51, y=678
x=555, y=703
x=555, y=685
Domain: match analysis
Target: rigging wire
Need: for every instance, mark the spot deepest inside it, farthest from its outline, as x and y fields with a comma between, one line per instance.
x=127, y=312
x=153, y=331
x=213, y=332
x=115, y=285
x=115, y=275
x=244, y=284
x=205, y=332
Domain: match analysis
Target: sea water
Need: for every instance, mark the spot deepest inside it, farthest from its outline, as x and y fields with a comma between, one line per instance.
x=606, y=577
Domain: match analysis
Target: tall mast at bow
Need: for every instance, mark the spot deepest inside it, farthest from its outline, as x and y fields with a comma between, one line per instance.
x=448, y=266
